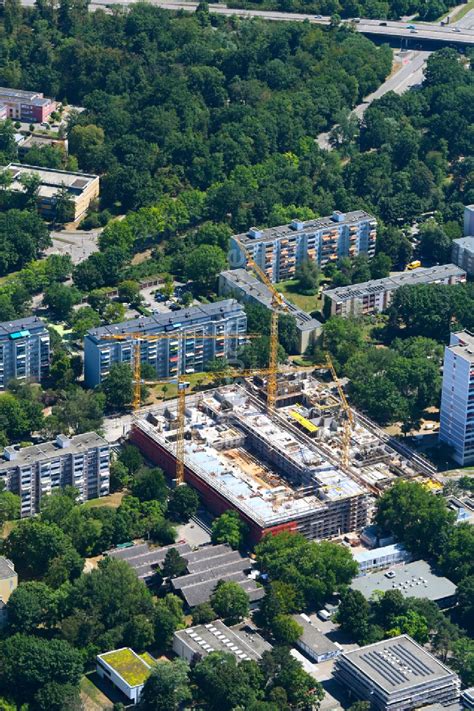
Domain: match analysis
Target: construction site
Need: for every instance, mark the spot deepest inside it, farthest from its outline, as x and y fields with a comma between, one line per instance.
x=294, y=467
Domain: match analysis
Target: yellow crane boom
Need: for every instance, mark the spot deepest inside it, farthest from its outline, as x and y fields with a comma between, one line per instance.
x=278, y=304
x=137, y=338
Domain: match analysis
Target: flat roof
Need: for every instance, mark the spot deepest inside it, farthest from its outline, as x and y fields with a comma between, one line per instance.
x=51, y=179
x=412, y=579
x=253, y=287
x=217, y=637
x=23, y=94
x=51, y=450
x=163, y=320
x=314, y=638
x=21, y=324
x=396, y=664
x=128, y=665
x=465, y=242
x=462, y=345
x=421, y=275
x=217, y=453
x=374, y=553
x=300, y=226
x=7, y=568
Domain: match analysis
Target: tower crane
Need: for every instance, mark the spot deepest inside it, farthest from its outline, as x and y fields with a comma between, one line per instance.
x=278, y=304
x=349, y=419
x=136, y=339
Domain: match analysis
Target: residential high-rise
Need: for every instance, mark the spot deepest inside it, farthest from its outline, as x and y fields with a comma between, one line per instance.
x=468, y=220
x=457, y=397
x=280, y=250
x=375, y=296
x=244, y=286
x=33, y=472
x=188, y=352
x=24, y=350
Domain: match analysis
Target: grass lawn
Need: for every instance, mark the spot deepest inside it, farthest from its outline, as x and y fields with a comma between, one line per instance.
x=93, y=699
x=8, y=527
x=463, y=11
x=113, y=500
x=169, y=391
x=306, y=303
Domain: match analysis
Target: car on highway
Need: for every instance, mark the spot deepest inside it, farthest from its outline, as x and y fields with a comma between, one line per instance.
x=411, y=27
x=383, y=24
x=414, y=32
x=456, y=29
x=318, y=17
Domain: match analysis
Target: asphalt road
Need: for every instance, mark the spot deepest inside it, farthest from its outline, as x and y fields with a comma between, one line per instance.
x=409, y=75
x=466, y=22
x=389, y=29
x=448, y=34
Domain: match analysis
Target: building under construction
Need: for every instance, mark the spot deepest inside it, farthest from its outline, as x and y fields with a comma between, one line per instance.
x=265, y=467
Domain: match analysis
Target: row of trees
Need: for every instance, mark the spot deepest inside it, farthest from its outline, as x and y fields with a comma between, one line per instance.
x=376, y=9
x=220, y=683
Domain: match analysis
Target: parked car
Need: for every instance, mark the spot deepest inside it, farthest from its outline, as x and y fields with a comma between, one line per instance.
x=324, y=615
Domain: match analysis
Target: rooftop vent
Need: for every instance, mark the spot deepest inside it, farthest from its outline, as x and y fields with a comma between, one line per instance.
x=63, y=441
x=254, y=233
x=10, y=453
x=297, y=224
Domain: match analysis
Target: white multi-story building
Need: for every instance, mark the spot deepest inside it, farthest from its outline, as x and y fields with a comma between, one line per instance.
x=397, y=675
x=279, y=251
x=33, y=472
x=182, y=345
x=457, y=397
x=375, y=296
x=24, y=350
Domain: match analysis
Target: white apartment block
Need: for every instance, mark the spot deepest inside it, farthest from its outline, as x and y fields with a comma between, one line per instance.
x=457, y=397
x=36, y=471
x=279, y=251
x=182, y=342
x=24, y=350
x=371, y=297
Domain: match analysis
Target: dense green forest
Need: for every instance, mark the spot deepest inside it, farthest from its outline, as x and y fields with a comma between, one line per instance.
x=201, y=126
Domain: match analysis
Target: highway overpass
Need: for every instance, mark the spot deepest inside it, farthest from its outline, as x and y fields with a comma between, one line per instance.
x=410, y=35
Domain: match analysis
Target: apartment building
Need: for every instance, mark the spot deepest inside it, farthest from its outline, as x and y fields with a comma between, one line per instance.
x=468, y=220
x=462, y=253
x=19, y=105
x=82, y=188
x=457, y=397
x=279, y=251
x=24, y=350
x=371, y=297
x=245, y=287
x=182, y=344
x=36, y=471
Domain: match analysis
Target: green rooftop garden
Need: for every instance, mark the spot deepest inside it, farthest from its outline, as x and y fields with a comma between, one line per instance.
x=129, y=665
